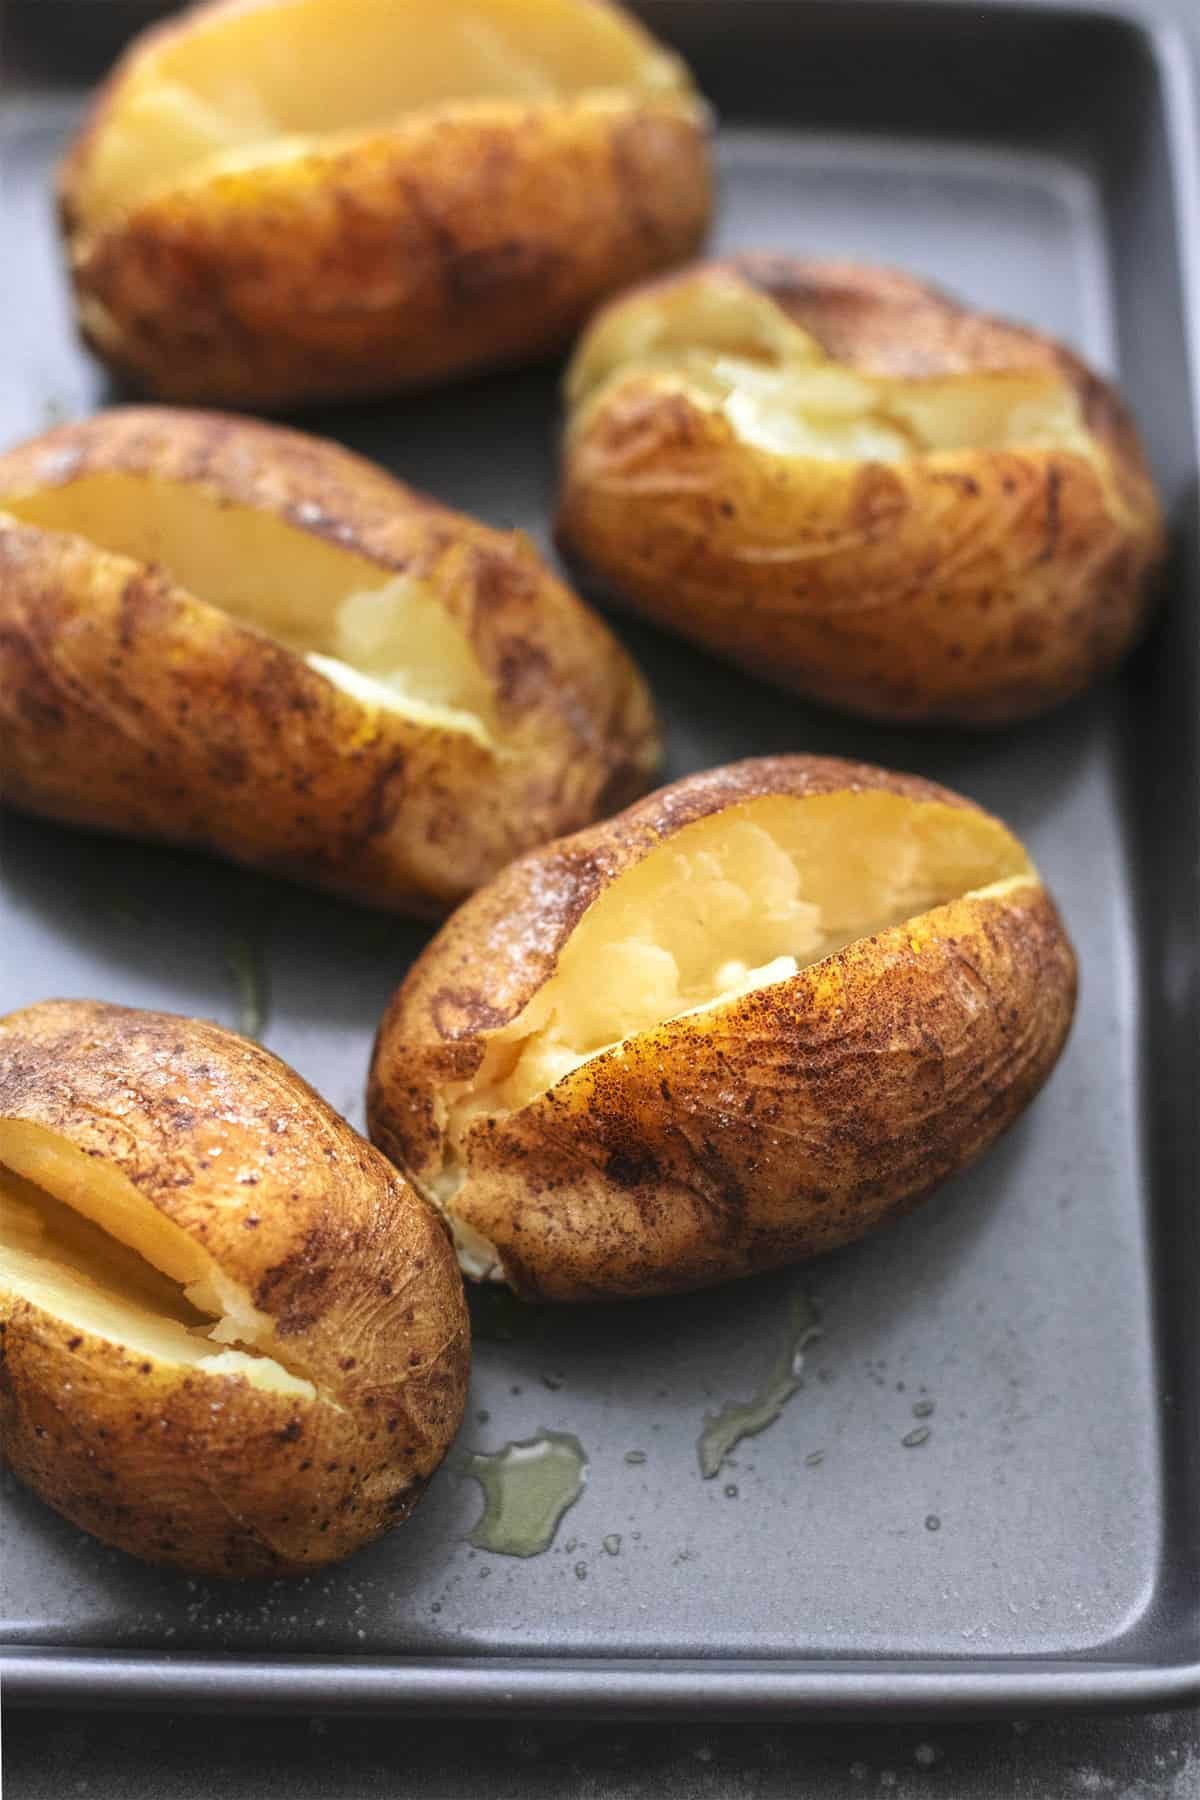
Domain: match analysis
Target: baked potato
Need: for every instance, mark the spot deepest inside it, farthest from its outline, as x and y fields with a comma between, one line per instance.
x=746, y=1021
x=850, y=485
x=278, y=200
x=230, y=635
x=231, y=1338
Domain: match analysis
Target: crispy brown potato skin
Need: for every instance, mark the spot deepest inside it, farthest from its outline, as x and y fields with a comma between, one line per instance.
x=444, y=245
x=969, y=587
x=779, y=1126
x=128, y=704
x=355, y=1270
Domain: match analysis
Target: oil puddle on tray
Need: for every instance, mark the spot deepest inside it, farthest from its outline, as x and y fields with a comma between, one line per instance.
x=527, y=1488
x=740, y=1419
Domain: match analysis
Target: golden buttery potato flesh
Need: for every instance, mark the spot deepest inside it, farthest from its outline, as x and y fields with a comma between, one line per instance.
x=233, y=1339
x=742, y=1023
x=839, y=478
x=227, y=634
x=290, y=198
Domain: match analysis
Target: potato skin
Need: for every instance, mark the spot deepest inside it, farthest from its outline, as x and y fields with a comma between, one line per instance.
x=781, y=1125
x=967, y=587
x=455, y=241
x=206, y=1471
x=130, y=705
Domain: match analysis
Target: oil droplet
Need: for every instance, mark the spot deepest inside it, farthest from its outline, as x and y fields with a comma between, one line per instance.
x=740, y=1419
x=527, y=1488
x=922, y=1409
x=932, y=1522
x=634, y=1457
x=612, y=1543
x=731, y=1492
x=245, y=958
x=436, y=1607
x=913, y=1439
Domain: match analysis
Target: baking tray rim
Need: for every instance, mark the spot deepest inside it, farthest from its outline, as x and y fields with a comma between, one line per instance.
x=599, y=1687
x=835, y=1687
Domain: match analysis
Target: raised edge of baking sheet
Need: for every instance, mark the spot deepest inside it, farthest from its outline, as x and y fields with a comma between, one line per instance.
x=1043, y=162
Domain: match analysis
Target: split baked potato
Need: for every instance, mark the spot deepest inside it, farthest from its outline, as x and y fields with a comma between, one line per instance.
x=229, y=635
x=231, y=1337
x=276, y=200
x=850, y=485
x=744, y=1022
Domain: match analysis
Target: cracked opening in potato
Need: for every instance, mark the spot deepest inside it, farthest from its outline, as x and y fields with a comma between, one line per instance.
x=246, y=85
x=386, y=640
x=734, y=351
x=78, y=1241
x=734, y=902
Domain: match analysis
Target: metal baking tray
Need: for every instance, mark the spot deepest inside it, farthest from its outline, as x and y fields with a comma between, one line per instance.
x=1041, y=1547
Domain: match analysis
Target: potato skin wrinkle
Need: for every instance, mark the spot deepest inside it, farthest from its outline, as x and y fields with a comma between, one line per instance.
x=132, y=704
x=936, y=517
x=349, y=1274
x=769, y=1127
x=464, y=232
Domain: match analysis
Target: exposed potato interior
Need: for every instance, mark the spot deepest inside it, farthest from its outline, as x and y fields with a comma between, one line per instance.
x=734, y=902
x=732, y=349
x=387, y=639
x=248, y=84
x=80, y=1242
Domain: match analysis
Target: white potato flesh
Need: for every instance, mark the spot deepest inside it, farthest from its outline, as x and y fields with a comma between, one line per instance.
x=732, y=349
x=80, y=1243
x=252, y=84
x=734, y=902
x=385, y=639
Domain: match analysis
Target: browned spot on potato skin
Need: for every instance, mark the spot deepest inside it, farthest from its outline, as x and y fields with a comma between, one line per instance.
x=141, y=605
x=878, y=500
x=628, y=1169
x=30, y=698
x=1053, y=524
x=385, y=797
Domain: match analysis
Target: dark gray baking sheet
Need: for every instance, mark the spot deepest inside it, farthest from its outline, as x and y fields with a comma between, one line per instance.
x=1042, y=165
